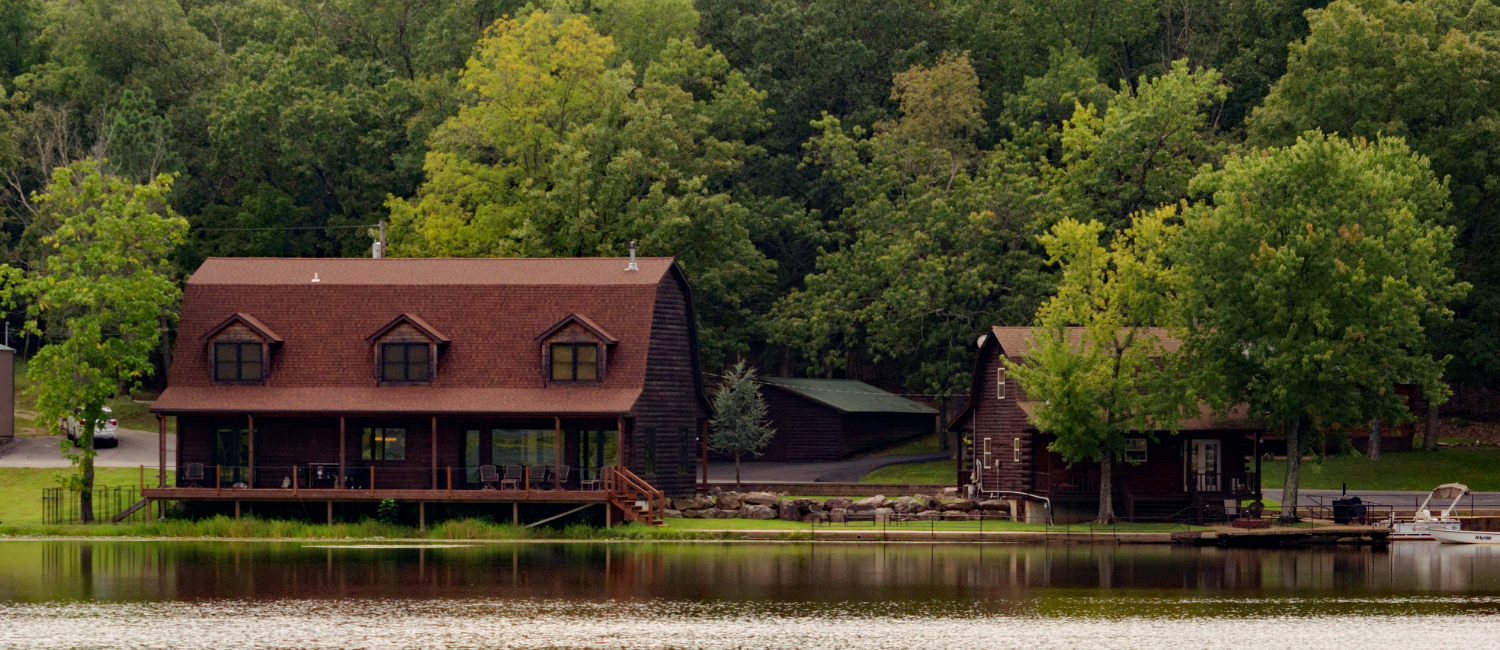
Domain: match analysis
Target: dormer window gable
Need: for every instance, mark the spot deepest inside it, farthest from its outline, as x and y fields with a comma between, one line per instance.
x=406, y=351
x=575, y=351
x=239, y=350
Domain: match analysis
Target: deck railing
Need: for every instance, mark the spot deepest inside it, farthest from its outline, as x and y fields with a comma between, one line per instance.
x=374, y=478
x=1080, y=482
x=632, y=494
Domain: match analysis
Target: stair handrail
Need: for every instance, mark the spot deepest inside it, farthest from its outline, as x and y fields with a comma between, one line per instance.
x=622, y=480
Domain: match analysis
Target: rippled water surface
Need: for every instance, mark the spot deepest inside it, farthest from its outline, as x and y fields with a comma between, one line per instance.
x=290, y=595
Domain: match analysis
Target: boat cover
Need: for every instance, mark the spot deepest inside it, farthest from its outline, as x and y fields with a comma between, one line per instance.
x=1449, y=491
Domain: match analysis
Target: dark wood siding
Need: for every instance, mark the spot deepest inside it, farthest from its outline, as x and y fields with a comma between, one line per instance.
x=1001, y=422
x=806, y=431
x=866, y=431
x=669, y=402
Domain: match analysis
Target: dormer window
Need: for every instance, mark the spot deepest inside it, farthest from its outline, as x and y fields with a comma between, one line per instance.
x=576, y=349
x=237, y=361
x=405, y=362
x=239, y=350
x=406, y=351
x=575, y=362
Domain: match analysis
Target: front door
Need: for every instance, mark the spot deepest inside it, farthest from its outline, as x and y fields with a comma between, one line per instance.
x=1205, y=464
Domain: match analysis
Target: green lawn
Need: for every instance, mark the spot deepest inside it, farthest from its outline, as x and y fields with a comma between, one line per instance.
x=1413, y=470
x=776, y=524
x=921, y=445
x=938, y=472
x=21, y=488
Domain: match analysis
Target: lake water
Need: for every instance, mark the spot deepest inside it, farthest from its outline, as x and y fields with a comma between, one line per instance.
x=69, y=594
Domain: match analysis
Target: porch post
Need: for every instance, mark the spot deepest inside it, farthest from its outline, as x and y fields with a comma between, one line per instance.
x=343, y=438
x=252, y=451
x=557, y=450
x=161, y=470
x=703, y=446
x=623, y=449
x=434, y=453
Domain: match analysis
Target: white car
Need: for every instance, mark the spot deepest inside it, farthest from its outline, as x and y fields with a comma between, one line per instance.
x=106, y=434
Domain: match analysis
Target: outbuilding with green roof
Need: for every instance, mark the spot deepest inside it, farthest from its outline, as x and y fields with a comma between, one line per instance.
x=820, y=420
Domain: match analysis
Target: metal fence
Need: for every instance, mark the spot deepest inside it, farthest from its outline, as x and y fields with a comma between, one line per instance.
x=62, y=505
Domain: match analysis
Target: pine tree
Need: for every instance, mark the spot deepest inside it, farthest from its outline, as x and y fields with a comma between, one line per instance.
x=739, y=424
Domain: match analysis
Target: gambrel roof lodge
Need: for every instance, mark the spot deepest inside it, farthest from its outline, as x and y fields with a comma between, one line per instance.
x=437, y=380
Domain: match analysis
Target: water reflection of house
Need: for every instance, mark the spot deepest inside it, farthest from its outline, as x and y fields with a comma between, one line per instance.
x=1203, y=469
x=431, y=380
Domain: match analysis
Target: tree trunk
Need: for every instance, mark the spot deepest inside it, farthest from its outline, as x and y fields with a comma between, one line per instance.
x=86, y=490
x=1106, y=489
x=736, y=472
x=1293, y=470
x=1372, y=444
x=1430, y=435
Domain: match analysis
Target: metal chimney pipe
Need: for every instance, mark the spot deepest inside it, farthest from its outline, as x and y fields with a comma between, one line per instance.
x=632, y=266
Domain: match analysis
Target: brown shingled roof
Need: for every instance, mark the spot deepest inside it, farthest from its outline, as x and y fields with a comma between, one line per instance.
x=594, y=271
x=489, y=309
x=1016, y=341
x=1237, y=419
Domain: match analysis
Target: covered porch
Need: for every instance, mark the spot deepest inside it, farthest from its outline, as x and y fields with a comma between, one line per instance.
x=471, y=459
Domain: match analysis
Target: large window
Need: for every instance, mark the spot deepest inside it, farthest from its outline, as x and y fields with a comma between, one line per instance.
x=404, y=362
x=237, y=361
x=523, y=447
x=575, y=362
x=471, y=455
x=384, y=443
x=1135, y=450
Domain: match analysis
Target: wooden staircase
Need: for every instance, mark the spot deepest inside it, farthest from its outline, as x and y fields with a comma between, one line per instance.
x=635, y=497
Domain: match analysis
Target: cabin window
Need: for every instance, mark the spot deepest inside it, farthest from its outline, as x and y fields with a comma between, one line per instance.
x=237, y=362
x=1017, y=442
x=575, y=362
x=384, y=443
x=684, y=451
x=528, y=447
x=404, y=362
x=986, y=462
x=472, y=461
x=1135, y=450
x=1000, y=383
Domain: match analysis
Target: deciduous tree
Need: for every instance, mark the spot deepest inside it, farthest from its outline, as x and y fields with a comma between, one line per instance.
x=98, y=298
x=1100, y=367
x=1312, y=271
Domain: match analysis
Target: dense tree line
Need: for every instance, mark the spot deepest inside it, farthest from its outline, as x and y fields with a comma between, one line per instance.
x=856, y=187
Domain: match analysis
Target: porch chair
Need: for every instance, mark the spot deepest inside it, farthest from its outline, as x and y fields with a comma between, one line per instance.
x=192, y=473
x=562, y=476
x=488, y=476
x=590, y=479
x=512, y=480
x=538, y=477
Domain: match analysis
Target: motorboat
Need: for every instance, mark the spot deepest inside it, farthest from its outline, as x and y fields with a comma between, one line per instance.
x=1423, y=526
x=1466, y=536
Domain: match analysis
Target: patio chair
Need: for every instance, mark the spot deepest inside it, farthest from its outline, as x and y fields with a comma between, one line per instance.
x=562, y=476
x=538, y=477
x=488, y=476
x=192, y=473
x=513, y=474
x=590, y=479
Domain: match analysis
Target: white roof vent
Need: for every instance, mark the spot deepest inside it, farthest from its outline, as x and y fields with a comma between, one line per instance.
x=632, y=266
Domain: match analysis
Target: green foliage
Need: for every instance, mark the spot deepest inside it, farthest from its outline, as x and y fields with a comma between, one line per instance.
x=1313, y=272
x=1099, y=368
x=1428, y=72
x=101, y=295
x=388, y=512
x=739, y=425
x=561, y=154
x=940, y=239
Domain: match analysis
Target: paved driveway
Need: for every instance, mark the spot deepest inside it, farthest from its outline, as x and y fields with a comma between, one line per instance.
x=844, y=471
x=136, y=448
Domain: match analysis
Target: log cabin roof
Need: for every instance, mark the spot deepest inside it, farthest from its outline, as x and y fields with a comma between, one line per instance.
x=1236, y=420
x=490, y=310
x=1017, y=341
x=848, y=395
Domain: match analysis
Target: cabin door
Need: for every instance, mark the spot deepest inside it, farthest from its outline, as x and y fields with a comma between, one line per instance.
x=1205, y=464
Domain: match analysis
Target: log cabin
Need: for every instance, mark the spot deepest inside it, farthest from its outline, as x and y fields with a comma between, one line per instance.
x=824, y=420
x=499, y=381
x=1200, y=472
